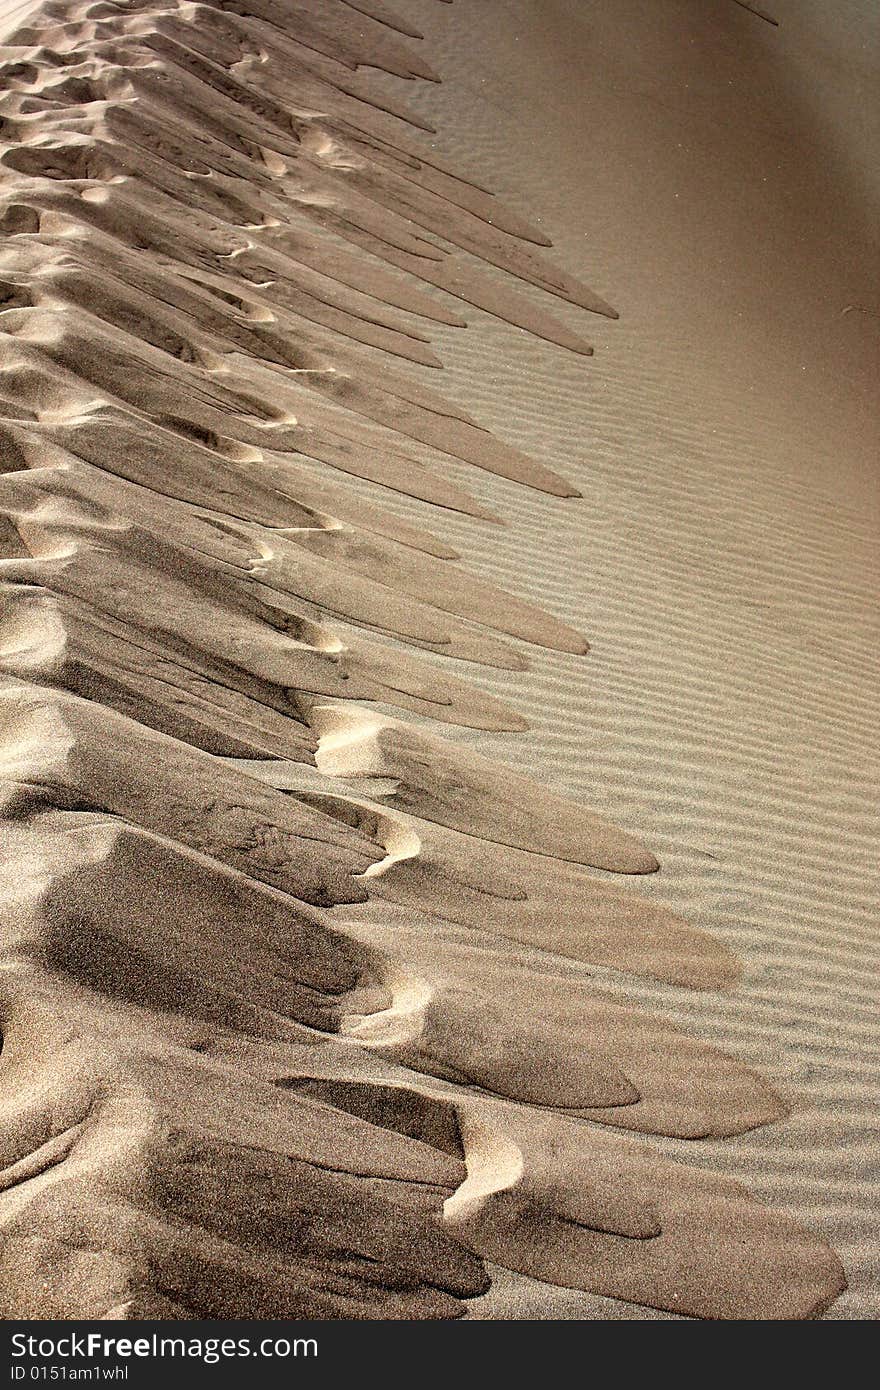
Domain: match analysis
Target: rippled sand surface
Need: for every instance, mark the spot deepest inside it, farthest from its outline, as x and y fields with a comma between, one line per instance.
x=350, y=707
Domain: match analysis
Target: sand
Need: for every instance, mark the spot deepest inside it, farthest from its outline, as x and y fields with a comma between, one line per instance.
x=344, y=738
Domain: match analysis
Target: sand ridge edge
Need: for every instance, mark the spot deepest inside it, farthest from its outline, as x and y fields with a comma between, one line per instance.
x=157, y=635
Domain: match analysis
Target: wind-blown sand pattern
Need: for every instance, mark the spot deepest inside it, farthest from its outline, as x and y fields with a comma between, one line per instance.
x=304, y=1012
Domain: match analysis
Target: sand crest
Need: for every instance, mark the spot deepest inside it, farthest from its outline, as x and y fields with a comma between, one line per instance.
x=280, y=918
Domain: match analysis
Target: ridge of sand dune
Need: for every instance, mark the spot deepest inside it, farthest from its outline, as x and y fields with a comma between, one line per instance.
x=224, y=252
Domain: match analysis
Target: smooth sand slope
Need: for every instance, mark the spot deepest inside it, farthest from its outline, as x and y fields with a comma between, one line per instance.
x=14, y=13
x=337, y=983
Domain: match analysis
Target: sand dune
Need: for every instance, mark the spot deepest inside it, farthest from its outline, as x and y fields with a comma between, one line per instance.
x=281, y=917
